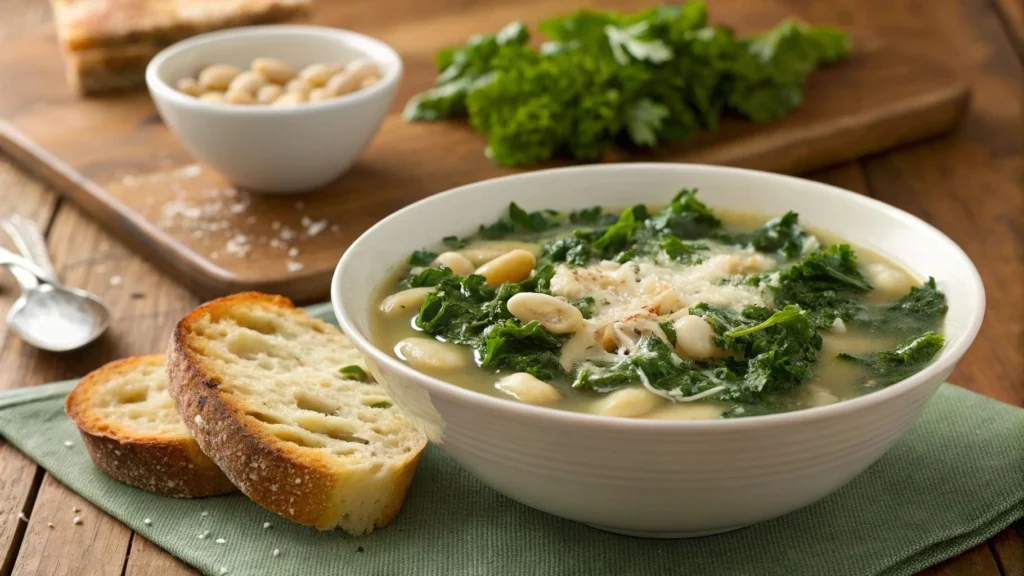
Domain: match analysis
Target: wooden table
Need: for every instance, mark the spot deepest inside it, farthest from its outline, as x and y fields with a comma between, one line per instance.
x=968, y=184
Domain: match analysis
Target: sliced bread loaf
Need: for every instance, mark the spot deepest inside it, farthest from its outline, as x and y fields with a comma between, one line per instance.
x=258, y=383
x=132, y=431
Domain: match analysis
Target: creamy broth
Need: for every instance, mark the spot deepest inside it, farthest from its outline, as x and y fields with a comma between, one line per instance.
x=662, y=290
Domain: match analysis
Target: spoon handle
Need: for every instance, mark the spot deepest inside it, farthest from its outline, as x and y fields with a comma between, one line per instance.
x=31, y=243
x=11, y=260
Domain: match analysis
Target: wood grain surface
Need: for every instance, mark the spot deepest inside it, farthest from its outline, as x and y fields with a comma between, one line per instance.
x=115, y=158
x=970, y=184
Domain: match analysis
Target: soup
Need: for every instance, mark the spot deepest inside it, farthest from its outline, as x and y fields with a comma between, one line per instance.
x=673, y=313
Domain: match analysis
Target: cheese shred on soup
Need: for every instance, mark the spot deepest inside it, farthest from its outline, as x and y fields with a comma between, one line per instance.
x=674, y=313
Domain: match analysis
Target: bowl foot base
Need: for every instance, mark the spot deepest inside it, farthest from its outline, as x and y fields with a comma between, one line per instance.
x=667, y=535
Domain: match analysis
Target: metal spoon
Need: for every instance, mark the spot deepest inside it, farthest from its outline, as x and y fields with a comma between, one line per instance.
x=48, y=315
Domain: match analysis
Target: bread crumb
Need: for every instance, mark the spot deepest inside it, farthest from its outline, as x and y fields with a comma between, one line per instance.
x=147, y=521
x=276, y=552
x=116, y=280
x=68, y=443
x=220, y=541
x=76, y=520
x=266, y=525
x=22, y=517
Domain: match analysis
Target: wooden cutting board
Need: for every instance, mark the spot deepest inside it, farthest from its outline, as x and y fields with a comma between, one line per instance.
x=114, y=157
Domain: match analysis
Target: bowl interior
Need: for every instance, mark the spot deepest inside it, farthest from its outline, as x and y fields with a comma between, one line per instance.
x=908, y=241
x=299, y=46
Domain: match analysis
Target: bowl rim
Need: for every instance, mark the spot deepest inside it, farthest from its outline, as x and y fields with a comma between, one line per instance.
x=584, y=420
x=164, y=90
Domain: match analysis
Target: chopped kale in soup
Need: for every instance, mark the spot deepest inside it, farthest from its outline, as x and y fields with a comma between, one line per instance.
x=674, y=313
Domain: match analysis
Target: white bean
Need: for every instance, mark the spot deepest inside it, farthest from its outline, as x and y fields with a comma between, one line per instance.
x=189, y=86
x=404, y=302
x=274, y=70
x=513, y=266
x=239, y=97
x=218, y=76
x=299, y=86
x=889, y=280
x=249, y=82
x=362, y=69
x=526, y=388
x=342, y=83
x=628, y=403
x=214, y=96
x=554, y=314
x=289, y=99
x=454, y=261
x=431, y=355
x=483, y=252
x=269, y=93
x=320, y=94
x=317, y=75
x=695, y=338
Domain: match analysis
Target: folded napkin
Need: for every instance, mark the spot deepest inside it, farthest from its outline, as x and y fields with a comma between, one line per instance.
x=953, y=481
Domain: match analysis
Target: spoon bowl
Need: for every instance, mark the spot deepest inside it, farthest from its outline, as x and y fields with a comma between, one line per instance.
x=57, y=318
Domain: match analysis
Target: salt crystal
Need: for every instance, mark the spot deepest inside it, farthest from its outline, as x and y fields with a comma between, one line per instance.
x=116, y=280
x=147, y=521
x=287, y=234
x=276, y=552
x=76, y=520
x=266, y=525
x=220, y=541
x=293, y=252
x=22, y=517
x=68, y=444
x=293, y=266
x=315, y=228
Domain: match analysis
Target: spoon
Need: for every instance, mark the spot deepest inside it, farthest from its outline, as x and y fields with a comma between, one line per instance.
x=48, y=314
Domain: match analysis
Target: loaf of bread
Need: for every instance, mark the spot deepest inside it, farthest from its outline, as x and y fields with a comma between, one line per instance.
x=258, y=383
x=132, y=431
x=107, y=43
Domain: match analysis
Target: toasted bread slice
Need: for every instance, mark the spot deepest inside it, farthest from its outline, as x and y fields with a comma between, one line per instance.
x=89, y=23
x=258, y=384
x=132, y=431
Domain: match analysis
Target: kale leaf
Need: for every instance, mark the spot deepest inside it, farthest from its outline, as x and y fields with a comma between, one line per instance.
x=779, y=348
x=682, y=252
x=782, y=235
x=466, y=310
x=826, y=284
x=907, y=358
x=918, y=311
x=422, y=258
x=685, y=217
x=660, y=367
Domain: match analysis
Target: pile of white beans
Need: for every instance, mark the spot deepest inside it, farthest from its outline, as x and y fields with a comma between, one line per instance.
x=274, y=82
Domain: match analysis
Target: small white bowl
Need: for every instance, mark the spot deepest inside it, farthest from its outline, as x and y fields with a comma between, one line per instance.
x=270, y=149
x=649, y=477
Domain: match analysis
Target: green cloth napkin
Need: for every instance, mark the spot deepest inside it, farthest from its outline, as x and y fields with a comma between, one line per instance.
x=955, y=480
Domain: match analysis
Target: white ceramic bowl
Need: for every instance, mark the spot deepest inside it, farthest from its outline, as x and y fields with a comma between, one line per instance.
x=647, y=477
x=271, y=149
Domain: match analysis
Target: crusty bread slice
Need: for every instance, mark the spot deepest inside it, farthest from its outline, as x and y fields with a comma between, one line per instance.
x=258, y=384
x=88, y=23
x=132, y=431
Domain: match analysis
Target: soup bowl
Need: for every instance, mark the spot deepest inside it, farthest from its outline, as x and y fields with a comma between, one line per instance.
x=650, y=477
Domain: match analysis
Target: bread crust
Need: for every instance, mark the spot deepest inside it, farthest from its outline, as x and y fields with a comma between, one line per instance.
x=173, y=466
x=91, y=23
x=307, y=486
